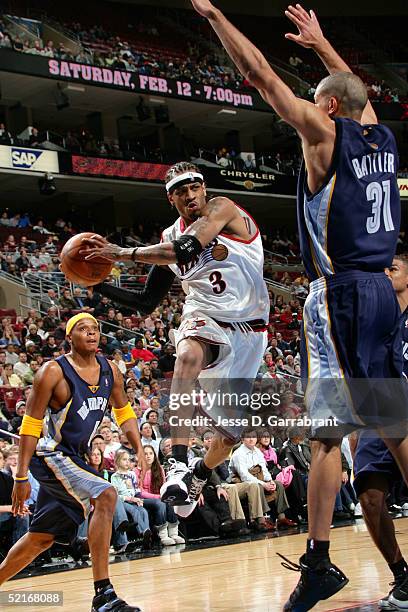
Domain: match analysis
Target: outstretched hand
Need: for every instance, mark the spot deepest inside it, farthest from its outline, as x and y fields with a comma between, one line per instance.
x=98, y=247
x=204, y=8
x=310, y=32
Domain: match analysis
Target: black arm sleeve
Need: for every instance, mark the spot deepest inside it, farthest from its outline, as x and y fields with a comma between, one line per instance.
x=157, y=286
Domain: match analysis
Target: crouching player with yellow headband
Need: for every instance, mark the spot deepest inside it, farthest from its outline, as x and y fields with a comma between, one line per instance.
x=68, y=401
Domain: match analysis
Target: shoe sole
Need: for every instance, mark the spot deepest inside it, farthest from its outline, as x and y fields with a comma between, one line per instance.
x=387, y=606
x=185, y=510
x=174, y=496
x=398, y=605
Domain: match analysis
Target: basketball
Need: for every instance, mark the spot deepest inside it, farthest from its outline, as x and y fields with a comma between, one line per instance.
x=76, y=268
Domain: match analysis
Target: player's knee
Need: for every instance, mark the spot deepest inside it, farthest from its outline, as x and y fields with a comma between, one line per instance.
x=41, y=541
x=372, y=502
x=107, y=500
x=189, y=362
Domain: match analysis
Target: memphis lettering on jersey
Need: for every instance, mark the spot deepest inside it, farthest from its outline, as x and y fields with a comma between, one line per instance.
x=91, y=404
x=373, y=163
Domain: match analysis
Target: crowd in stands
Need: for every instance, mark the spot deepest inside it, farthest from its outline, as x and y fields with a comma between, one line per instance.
x=153, y=48
x=106, y=49
x=262, y=487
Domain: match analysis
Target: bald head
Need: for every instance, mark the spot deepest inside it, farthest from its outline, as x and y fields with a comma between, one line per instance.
x=349, y=91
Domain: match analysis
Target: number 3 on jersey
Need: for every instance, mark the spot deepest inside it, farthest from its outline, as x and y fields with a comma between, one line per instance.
x=379, y=196
x=217, y=282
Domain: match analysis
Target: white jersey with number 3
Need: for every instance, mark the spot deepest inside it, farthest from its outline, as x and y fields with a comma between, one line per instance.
x=225, y=281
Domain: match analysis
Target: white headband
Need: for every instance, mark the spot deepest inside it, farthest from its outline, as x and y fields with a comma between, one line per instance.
x=186, y=177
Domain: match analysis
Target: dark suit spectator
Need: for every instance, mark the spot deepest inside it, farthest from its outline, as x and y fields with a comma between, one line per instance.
x=49, y=348
x=103, y=307
x=67, y=302
x=166, y=363
x=52, y=320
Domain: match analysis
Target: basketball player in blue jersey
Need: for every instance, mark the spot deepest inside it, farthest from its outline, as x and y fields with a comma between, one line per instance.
x=68, y=401
x=349, y=217
x=375, y=469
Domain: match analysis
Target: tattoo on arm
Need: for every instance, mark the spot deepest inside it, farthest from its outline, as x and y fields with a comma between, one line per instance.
x=161, y=254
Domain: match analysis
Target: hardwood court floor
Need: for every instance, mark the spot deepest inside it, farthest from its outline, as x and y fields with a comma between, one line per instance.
x=244, y=577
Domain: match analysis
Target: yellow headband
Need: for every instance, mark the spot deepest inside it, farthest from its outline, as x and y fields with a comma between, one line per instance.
x=74, y=320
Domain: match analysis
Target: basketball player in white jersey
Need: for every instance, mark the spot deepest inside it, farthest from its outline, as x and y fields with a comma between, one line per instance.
x=215, y=249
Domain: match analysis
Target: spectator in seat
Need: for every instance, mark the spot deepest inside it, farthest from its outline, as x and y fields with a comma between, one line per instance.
x=152, y=417
x=21, y=367
x=296, y=489
x=20, y=412
x=11, y=355
x=28, y=378
x=59, y=333
x=289, y=366
x=9, y=378
x=146, y=375
x=51, y=299
x=163, y=516
x=118, y=359
x=110, y=446
x=141, y=353
x=287, y=315
x=219, y=504
x=48, y=349
x=51, y=321
x=295, y=343
x=17, y=526
x=282, y=345
x=246, y=457
x=22, y=262
x=102, y=308
x=94, y=457
x=9, y=337
x=91, y=300
x=155, y=370
x=34, y=141
x=126, y=484
x=144, y=399
x=67, y=302
x=79, y=299
x=166, y=363
x=287, y=407
x=274, y=350
x=5, y=136
x=147, y=437
x=33, y=336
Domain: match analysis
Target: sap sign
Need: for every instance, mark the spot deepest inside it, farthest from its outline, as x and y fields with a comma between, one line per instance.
x=31, y=160
x=22, y=158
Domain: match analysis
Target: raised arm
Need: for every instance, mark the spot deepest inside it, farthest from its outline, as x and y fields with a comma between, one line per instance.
x=44, y=384
x=304, y=116
x=310, y=36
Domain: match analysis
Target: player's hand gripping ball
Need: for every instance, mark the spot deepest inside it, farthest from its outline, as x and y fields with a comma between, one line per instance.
x=79, y=270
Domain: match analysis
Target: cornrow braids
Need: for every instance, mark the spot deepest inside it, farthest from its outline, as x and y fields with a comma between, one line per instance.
x=179, y=168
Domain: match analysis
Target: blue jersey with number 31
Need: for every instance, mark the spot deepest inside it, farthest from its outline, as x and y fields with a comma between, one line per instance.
x=352, y=221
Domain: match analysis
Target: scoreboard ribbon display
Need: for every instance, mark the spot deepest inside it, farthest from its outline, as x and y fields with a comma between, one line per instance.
x=123, y=80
